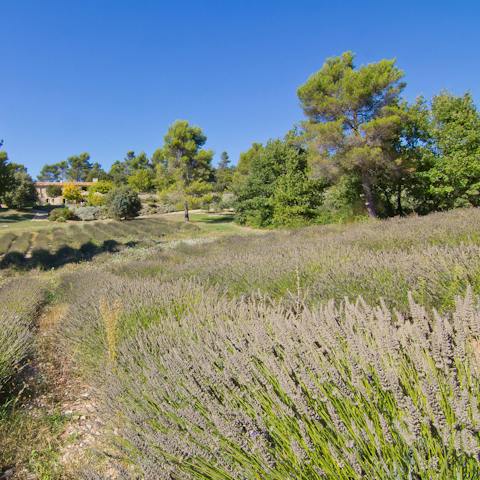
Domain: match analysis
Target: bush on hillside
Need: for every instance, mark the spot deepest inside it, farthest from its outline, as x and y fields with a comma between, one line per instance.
x=17, y=311
x=96, y=199
x=123, y=203
x=227, y=201
x=349, y=392
x=61, y=215
x=264, y=390
x=88, y=213
x=102, y=186
x=72, y=192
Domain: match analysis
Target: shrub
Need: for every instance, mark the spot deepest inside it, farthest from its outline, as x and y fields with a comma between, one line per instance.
x=16, y=322
x=227, y=201
x=88, y=213
x=102, y=186
x=96, y=199
x=61, y=215
x=265, y=390
x=123, y=203
x=348, y=392
x=54, y=191
x=71, y=192
x=142, y=180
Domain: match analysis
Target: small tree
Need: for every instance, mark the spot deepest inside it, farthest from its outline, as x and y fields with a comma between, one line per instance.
x=296, y=198
x=71, y=192
x=224, y=173
x=454, y=177
x=182, y=159
x=123, y=203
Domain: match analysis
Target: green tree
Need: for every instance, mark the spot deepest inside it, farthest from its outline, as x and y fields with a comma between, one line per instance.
x=224, y=173
x=22, y=193
x=79, y=167
x=224, y=161
x=132, y=163
x=353, y=119
x=242, y=169
x=54, y=191
x=6, y=175
x=277, y=190
x=296, y=198
x=399, y=188
x=142, y=180
x=182, y=159
x=56, y=172
x=96, y=171
x=123, y=203
x=453, y=177
x=118, y=173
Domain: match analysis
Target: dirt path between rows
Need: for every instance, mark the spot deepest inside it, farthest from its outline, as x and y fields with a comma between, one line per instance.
x=74, y=399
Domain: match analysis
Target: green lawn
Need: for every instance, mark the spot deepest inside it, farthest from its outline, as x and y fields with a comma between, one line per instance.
x=216, y=223
x=15, y=220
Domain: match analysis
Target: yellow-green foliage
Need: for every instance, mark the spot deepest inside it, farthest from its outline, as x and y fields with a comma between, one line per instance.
x=71, y=192
x=96, y=199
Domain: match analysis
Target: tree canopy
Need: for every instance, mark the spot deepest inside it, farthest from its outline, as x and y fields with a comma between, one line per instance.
x=184, y=168
x=353, y=118
x=277, y=190
x=22, y=194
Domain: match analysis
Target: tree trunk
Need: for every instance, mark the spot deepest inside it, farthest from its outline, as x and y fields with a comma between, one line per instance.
x=367, y=192
x=186, y=215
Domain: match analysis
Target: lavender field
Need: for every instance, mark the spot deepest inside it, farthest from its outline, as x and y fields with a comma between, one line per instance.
x=337, y=352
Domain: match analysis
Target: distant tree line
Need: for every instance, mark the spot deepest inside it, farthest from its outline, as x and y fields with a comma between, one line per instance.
x=361, y=150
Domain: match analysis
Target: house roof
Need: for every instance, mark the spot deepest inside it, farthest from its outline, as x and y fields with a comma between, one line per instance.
x=61, y=184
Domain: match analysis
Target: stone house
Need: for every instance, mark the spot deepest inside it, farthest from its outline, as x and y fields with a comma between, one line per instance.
x=45, y=199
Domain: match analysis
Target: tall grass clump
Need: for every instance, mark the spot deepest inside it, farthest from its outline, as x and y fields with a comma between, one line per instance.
x=250, y=390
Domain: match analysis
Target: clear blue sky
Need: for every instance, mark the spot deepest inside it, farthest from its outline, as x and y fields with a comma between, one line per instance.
x=107, y=76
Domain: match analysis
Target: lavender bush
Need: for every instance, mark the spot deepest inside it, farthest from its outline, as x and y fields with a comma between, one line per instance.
x=17, y=316
x=324, y=353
